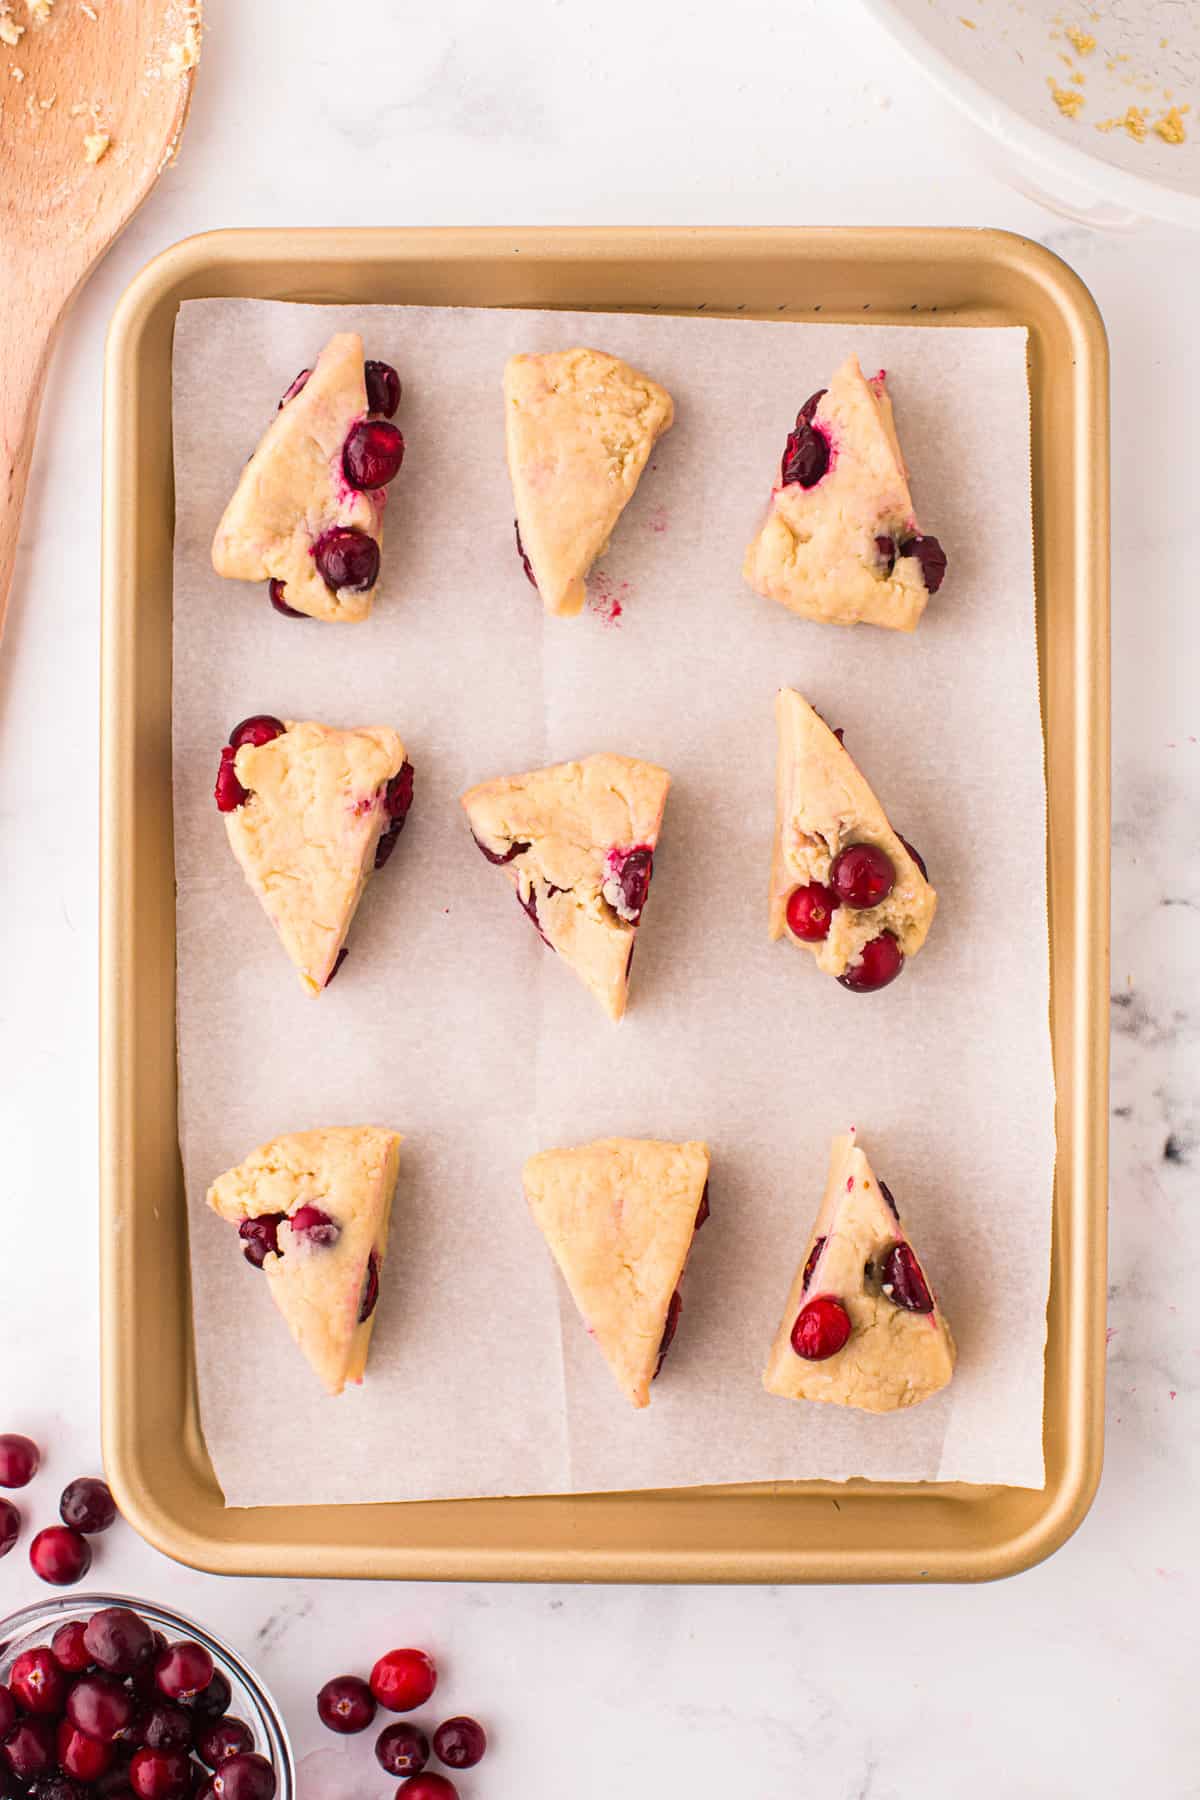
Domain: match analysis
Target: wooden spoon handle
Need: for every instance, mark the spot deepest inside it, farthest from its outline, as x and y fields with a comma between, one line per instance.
x=29, y=319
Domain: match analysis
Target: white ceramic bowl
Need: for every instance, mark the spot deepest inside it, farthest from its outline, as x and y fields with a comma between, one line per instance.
x=998, y=67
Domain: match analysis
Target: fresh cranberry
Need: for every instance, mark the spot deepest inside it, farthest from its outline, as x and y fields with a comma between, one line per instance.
x=19, y=1459
x=164, y=1727
x=228, y=791
x=821, y=1329
x=346, y=1704
x=806, y=455
x=702, y=1211
x=259, y=728
x=101, y=1706
x=8, y=1712
x=310, y=1222
x=60, y=1786
x=814, y=1257
x=403, y=1680
x=886, y=548
x=916, y=856
x=247, y=1776
x=118, y=1640
x=631, y=870
x=80, y=1755
x=224, y=1738
x=402, y=1750
x=460, y=1743
x=674, y=1308
x=372, y=454
x=29, y=1747
x=370, y=1289
x=69, y=1645
x=903, y=1282
x=516, y=848
x=60, y=1556
x=886, y=1191
x=427, y=1787
x=37, y=1683
x=810, y=912
x=160, y=1774
x=183, y=1670
x=295, y=388
x=932, y=558
x=347, y=559
x=213, y=1703
x=276, y=591
x=383, y=388
x=862, y=875
x=260, y=1237
x=10, y=1525
x=115, y=1785
x=87, y=1505
x=881, y=961
x=530, y=577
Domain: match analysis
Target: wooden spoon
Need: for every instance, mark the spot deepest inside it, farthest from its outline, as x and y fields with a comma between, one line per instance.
x=94, y=96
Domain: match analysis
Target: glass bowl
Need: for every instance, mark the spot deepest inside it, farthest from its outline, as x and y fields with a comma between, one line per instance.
x=250, y=1700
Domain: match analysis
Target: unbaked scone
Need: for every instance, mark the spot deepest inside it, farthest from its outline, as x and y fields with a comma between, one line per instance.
x=844, y=885
x=862, y=1326
x=619, y=1216
x=579, y=426
x=310, y=811
x=841, y=542
x=312, y=1210
x=577, y=843
x=307, y=512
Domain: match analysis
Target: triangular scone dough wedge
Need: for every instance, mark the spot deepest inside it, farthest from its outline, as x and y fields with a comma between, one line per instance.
x=899, y=1349
x=846, y=547
x=313, y=1210
x=823, y=805
x=577, y=843
x=318, y=801
x=579, y=426
x=619, y=1216
x=293, y=490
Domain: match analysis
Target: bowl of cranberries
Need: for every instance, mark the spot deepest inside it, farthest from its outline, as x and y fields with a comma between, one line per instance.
x=104, y=1698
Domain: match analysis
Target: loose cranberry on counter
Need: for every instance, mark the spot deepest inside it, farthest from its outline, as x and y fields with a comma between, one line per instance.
x=28, y=1749
x=60, y=1556
x=402, y=1680
x=163, y=1727
x=213, y=1703
x=372, y=454
x=821, y=1329
x=258, y=729
x=674, y=1308
x=118, y=1639
x=346, y=1704
x=183, y=1670
x=69, y=1645
x=245, y=1777
x=903, y=1281
x=383, y=388
x=810, y=912
x=19, y=1459
x=10, y=1526
x=224, y=1738
x=87, y=1505
x=295, y=388
x=366, y=1306
x=347, y=559
x=402, y=1750
x=427, y=1787
x=260, y=1237
x=460, y=1743
x=862, y=875
x=36, y=1682
x=8, y=1712
x=880, y=963
x=80, y=1755
x=160, y=1774
x=102, y=1706
x=814, y=1257
x=276, y=590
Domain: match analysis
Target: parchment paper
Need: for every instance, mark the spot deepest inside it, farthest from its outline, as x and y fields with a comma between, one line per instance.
x=452, y=1023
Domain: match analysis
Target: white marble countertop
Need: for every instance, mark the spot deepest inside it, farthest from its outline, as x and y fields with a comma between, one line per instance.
x=1069, y=1680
